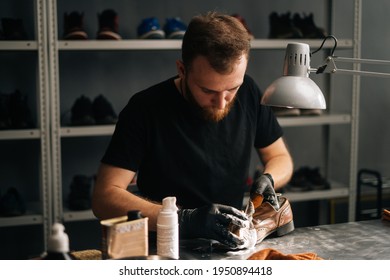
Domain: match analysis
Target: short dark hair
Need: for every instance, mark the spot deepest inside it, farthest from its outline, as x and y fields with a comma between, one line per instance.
x=221, y=38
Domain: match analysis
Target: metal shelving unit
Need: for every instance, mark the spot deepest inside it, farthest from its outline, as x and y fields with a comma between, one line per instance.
x=355, y=104
x=37, y=212
x=59, y=132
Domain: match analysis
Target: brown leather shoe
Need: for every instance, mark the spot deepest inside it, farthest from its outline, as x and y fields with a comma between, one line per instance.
x=267, y=220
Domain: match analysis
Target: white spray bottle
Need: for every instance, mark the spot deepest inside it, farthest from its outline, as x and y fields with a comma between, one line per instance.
x=168, y=229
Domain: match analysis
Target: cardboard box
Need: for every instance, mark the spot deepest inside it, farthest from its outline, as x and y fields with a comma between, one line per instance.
x=122, y=238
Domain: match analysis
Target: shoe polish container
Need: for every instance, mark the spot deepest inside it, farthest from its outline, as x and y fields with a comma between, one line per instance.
x=168, y=229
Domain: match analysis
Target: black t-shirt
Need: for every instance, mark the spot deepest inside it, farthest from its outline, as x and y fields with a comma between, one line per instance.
x=178, y=153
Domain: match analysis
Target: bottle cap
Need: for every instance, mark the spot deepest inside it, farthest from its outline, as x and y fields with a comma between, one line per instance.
x=169, y=204
x=58, y=240
x=134, y=215
x=168, y=213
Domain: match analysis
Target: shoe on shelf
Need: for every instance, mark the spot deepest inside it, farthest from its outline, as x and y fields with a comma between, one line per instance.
x=108, y=25
x=174, y=28
x=20, y=113
x=103, y=111
x=150, y=28
x=269, y=221
x=306, y=179
x=286, y=112
x=299, y=181
x=80, y=193
x=13, y=29
x=317, y=181
x=243, y=21
x=74, y=26
x=308, y=27
x=12, y=204
x=311, y=112
x=282, y=27
x=82, y=112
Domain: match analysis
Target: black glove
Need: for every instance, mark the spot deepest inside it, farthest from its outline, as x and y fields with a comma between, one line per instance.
x=264, y=185
x=212, y=222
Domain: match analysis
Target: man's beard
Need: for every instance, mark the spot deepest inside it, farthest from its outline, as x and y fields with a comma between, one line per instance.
x=208, y=113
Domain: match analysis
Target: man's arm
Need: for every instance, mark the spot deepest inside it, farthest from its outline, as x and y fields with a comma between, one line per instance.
x=277, y=162
x=111, y=199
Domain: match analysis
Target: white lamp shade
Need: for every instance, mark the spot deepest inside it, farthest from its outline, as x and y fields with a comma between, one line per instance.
x=294, y=92
x=295, y=89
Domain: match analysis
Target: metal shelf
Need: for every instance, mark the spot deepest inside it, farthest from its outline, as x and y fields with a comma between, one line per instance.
x=132, y=44
x=136, y=44
x=84, y=215
x=337, y=191
x=33, y=216
x=313, y=43
x=20, y=134
x=107, y=130
x=21, y=220
x=96, y=130
x=315, y=120
x=18, y=45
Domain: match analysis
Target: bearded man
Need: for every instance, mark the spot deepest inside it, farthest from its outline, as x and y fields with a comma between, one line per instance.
x=192, y=137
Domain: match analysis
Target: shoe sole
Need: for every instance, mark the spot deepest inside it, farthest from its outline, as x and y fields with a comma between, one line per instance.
x=154, y=34
x=280, y=231
x=311, y=112
x=176, y=35
x=76, y=35
x=287, y=112
x=285, y=229
x=108, y=35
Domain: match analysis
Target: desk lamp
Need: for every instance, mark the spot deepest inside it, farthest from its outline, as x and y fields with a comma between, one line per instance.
x=296, y=90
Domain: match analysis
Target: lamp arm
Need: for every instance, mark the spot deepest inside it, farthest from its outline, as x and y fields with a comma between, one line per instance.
x=331, y=62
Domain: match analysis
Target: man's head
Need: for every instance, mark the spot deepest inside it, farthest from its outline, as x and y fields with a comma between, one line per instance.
x=215, y=54
x=221, y=38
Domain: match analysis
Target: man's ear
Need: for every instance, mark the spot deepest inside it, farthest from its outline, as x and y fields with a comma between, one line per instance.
x=180, y=69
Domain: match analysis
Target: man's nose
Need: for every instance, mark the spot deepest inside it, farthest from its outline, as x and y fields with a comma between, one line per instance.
x=220, y=100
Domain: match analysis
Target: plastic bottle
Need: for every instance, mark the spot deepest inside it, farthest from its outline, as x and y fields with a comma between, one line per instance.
x=168, y=229
x=58, y=245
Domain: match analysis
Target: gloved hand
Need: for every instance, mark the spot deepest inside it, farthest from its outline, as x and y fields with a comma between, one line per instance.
x=264, y=186
x=212, y=221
